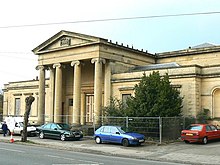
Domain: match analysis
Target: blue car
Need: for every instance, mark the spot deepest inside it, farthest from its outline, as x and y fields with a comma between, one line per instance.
x=114, y=134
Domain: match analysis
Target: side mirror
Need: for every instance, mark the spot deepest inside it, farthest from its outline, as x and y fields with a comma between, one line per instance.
x=55, y=128
x=118, y=133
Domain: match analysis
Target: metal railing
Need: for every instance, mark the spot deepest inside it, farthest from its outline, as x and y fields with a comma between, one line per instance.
x=157, y=129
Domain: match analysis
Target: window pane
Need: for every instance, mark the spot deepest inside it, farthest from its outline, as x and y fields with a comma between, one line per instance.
x=125, y=97
x=17, y=106
x=70, y=102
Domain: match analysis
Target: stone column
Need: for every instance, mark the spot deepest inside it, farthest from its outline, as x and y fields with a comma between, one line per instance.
x=52, y=85
x=58, y=94
x=41, y=106
x=83, y=109
x=107, y=84
x=76, y=92
x=98, y=89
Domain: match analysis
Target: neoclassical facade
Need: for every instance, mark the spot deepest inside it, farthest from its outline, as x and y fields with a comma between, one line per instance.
x=79, y=73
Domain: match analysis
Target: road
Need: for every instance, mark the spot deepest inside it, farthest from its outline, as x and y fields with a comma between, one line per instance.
x=20, y=154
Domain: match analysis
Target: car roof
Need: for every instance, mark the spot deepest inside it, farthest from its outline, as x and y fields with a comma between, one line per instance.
x=201, y=124
x=110, y=126
x=55, y=123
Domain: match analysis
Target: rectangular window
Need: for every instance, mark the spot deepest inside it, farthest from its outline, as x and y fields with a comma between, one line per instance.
x=125, y=97
x=17, y=106
x=70, y=102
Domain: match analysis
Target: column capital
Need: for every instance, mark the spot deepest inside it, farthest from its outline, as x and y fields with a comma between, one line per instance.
x=77, y=62
x=98, y=60
x=58, y=65
x=44, y=67
x=39, y=67
x=50, y=67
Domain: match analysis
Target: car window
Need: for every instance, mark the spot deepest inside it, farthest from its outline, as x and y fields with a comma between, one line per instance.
x=53, y=126
x=106, y=129
x=213, y=128
x=195, y=127
x=208, y=128
x=63, y=126
x=100, y=129
x=47, y=126
x=21, y=124
x=114, y=130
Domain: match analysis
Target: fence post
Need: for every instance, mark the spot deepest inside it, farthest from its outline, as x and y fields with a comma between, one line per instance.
x=160, y=129
x=184, y=122
x=93, y=116
x=127, y=122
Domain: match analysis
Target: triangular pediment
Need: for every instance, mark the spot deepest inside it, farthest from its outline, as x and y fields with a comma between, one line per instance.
x=65, y=40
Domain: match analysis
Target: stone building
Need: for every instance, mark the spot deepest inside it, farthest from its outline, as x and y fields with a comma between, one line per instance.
x=85, y=71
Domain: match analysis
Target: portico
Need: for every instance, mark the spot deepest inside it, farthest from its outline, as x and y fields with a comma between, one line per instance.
x=80, y=66
x=56, y=103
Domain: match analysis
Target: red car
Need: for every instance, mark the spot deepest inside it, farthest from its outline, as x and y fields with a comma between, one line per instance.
x=200, y=133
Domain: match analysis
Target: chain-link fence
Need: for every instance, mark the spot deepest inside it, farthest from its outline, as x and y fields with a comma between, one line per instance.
x=157, y=129
x=154, y=128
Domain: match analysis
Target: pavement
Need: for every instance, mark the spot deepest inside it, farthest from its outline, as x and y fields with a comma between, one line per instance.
x=179, y=152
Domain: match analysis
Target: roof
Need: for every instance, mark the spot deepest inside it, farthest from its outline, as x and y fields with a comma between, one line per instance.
x=155, y=66
x=204, y=45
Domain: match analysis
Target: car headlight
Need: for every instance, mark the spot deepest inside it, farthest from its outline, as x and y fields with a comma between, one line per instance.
x=134, y=138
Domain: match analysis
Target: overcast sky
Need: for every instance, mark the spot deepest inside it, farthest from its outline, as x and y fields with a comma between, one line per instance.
x=157, y=34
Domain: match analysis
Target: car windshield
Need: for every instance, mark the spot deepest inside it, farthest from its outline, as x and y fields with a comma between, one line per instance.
x=63, y=126
x=121, y=130
x=195, y=127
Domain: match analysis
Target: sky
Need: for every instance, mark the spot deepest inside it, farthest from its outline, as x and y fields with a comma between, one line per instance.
x=26, y=24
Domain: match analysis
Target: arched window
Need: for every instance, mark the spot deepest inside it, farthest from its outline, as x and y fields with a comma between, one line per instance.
x=216, y=103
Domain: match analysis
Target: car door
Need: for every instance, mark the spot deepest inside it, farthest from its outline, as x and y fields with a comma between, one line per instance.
x=17, y=129
x=46, y=130
x=209, y=132
x=105, y=134
x=115, y=136
x=55, y=130
x=215, y=132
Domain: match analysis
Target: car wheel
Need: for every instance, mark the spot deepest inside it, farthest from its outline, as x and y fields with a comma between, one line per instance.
x=205, y=140
x=41, y=135
x=62, y=137
x=125, y=142
x=77, y=138
x=187, y=142
x=98, y=140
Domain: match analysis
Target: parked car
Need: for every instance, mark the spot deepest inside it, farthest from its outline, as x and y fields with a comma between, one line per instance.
x=115, y=134
x=1, y=131
x=60, y=131
x=16, y=125
x=200, y=133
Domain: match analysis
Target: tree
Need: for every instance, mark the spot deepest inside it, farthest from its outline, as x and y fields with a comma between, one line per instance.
x=203, y=116
x=155, y=96
x=29, y=100
x=116, y=108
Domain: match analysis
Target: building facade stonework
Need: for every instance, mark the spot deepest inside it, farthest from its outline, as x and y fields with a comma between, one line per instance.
x=85, y=71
